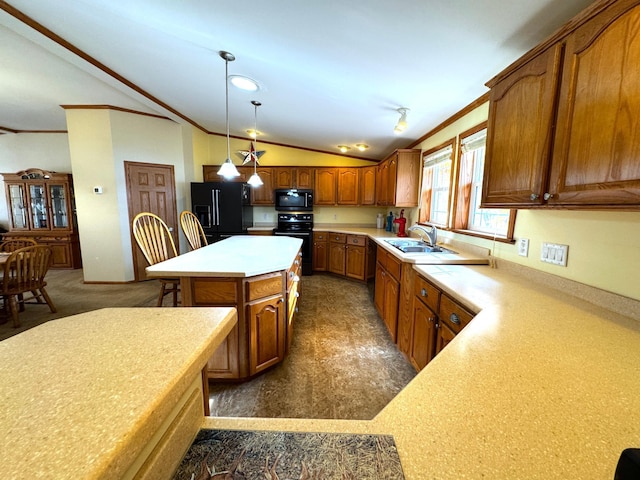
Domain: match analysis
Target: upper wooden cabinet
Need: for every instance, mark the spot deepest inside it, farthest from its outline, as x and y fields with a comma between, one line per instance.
x=368, y=185
x=325, y=186
x=398, y=179
x=293, y=177
x=347, y=191
x=563, y=127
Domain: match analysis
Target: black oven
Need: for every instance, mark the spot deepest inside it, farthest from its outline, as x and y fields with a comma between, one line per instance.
x=299, y=225
x=293, y=199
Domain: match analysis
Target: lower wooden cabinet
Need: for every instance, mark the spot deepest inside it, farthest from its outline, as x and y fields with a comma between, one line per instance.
x=267, y=333
x=423, y=335
x=337, y=253
x=320, y=251
x=356, y=257
x=387, y=290
x=348, y=255
x=65, y=248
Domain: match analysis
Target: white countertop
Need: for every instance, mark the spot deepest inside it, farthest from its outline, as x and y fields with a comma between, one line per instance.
x=239, y=256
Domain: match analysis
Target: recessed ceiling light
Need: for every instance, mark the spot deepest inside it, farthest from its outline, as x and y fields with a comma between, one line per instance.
x=344, y=148
x=253, y=133
x=362, y=146
x=244, y=83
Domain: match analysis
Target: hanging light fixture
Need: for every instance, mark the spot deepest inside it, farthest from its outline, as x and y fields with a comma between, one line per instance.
x=401, y=126
x=227, y=169
x=255, y=180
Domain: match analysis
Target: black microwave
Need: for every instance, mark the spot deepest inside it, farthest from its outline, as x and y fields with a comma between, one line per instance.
x=293, y=199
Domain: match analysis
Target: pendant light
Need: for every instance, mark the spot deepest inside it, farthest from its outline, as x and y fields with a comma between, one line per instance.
x=227, y=170
x=255, y=180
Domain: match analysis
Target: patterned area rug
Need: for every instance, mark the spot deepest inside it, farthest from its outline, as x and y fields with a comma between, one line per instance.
x=262, y=455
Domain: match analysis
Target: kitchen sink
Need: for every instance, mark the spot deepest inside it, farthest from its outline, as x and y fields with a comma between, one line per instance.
x=417, y=246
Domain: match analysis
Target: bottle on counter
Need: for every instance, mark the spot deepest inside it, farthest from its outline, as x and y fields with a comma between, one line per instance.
x=389, y=226
x=380, y=221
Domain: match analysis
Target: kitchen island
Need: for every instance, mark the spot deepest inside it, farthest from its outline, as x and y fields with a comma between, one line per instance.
x=259, y=276
x=109, y=394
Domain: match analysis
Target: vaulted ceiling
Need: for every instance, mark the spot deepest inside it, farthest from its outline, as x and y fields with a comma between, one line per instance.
x=331, y=72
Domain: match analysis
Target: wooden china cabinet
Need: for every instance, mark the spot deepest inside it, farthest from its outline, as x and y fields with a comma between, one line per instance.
x=41, y=206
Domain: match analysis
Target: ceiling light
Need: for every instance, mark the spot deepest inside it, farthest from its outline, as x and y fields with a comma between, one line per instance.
x=401, y=126
x=343, y=148
x=244, y=83
x=255, y=180
x=253, y=133
x=227, y=169
x=362, y=146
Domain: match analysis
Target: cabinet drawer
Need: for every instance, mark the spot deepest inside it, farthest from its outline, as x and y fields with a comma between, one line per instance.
x=394, y=266
x=320, y=236
x=455, y=316
x=357, y=240
x=264, y=286
x=338, y=237
x=427, y=293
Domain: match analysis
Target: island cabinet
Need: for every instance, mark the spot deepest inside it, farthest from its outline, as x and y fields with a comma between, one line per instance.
x=41, y=207
x=387, y=289
x=398, y=179
x=293, y=293
x=562, y=126
x=320, y=251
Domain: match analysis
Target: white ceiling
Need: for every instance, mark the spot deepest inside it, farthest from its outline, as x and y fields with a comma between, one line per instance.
x=332, y=71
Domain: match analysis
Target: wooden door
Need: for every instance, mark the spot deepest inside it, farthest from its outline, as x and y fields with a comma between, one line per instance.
x=382, y=184
x=521, y=115
x=378, y=296
x=596, y=158
x=391, y=297
x=336, y=258
x=263, y=195
x=423, y=335
x=405, y=309
x=304, y=177
x=368, y=185
x=283, y=177
x=150, y=188
x=355, y=263
x=347, y=186
x=320, y=255
x=444, y=336
x=267, y=342
x=325, y=186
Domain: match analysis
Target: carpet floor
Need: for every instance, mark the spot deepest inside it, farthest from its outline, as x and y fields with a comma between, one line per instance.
x=342, y=363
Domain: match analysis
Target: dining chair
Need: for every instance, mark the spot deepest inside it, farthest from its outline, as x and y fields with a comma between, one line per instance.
x=24, y=271
x=16, y=243
x=156, y=243
x=192, y=229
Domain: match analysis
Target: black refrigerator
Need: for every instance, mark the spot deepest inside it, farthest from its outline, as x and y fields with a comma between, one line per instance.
x=223, y=208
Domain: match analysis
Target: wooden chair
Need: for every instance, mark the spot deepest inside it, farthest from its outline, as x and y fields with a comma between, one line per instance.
x=154, y=239
x=14, y=244
x=192, y=229
x=23, y=272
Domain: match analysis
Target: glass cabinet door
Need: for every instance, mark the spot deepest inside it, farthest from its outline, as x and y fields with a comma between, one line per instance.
x=18, y=210
x=38, y=206
x=59, y=214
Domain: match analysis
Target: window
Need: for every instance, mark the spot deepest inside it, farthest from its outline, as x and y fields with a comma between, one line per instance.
x=436, y=184
x=452, y=190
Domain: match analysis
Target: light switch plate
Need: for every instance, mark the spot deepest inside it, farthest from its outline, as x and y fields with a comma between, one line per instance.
x=554, y=253
x=523, y=247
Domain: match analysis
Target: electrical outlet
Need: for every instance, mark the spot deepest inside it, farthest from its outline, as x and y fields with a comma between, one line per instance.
x=335, y=217
x=523, y=247
x=554, y=253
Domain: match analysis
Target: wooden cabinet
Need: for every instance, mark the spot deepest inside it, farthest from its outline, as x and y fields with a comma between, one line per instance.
x=405, y=309
x=337, y=253
x=325, y=186
x=423, y=335
x=398, y=179
x=267, y=340
x=387, y=289
x=562, y=123
x=293, y=293
x=368, y=185
x=348, y=192
x=293, y=177
x=263, y=195
x=41, y=206
x=320, y=251
x=356, y=257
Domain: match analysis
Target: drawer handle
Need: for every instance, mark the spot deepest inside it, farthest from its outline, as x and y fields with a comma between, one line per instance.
x=534, y=196
x=423, y=292
x=454, y=319
x=337, y=238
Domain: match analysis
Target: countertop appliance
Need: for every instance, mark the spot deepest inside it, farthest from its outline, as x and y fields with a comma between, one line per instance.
x=293, y=199
x=298, y=225
x=223, y=208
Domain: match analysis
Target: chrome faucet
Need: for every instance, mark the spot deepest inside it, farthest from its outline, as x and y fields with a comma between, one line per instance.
x=430, y=231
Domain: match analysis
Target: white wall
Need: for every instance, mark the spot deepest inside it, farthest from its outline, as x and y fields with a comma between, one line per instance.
x=19, y=151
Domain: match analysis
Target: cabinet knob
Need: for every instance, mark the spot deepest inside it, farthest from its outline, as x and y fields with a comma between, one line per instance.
x=455, y=319
x=297, y=294
x=534, y=196
x=431, y=319
x=423, y=292
x=296, y=278
x=297, y=262
x=547, y=196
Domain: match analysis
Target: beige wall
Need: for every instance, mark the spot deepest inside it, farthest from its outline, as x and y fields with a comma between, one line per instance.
x=604, y=246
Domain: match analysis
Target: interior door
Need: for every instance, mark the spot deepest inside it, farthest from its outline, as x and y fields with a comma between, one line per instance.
x=150, y=188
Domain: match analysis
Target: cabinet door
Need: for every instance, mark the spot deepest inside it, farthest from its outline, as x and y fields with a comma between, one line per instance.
x=355, y=263
x=368, y=185
x=17, y=200
x=267, y=342
x=283, y=177
x=443, y=337
x=38, y=207
x=59, y=206
x=325, y=186
x=263, y=195
x=320, y=256
x=423, y=335
x=304, y=177
x=405, y=309
x=337, y=258
x=407, y=178
x=391, y=174
x=391, y=298
x=596, y=159
x=521, y=114
x=347, y=186
x=382, y=184
x=378, y=296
